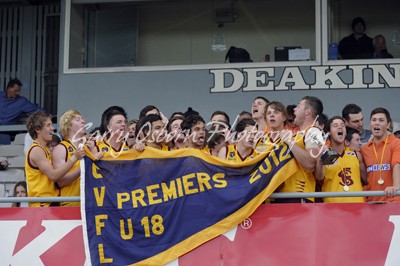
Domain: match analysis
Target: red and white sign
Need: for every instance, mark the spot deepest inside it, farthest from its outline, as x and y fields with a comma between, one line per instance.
x=280, y=234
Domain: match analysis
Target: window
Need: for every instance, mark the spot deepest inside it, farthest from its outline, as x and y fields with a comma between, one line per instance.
x=102, y=35
x=191, y=32
x=379, y=18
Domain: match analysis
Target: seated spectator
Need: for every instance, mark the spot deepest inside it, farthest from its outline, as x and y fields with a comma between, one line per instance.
x=357, y=45
x=19, y=191
x=12, y=105
x=380, y=49
x=237, y=55
x=3, y=165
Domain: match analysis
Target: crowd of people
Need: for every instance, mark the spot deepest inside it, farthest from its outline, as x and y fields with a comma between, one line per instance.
x=362, y=159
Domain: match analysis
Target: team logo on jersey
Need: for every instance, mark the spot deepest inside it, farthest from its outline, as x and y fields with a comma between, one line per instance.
x=351, y=153
x=104, y=149
x=261, y=147
x=345, y=176
x=232, y=154
x=70, y=149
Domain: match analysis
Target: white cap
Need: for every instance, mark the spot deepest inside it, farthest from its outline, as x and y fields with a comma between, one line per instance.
x=396, y=127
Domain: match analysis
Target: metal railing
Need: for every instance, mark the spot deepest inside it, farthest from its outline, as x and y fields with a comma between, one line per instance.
x=272, y=196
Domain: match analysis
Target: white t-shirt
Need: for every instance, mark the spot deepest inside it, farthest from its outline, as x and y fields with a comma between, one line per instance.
x=27, y=143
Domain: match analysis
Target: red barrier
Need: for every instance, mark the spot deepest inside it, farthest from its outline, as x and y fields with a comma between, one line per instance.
x=288, y=234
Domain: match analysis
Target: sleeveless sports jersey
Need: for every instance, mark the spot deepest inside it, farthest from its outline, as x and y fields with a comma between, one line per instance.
x=107, y=150
x=73, y=188
x=232, y=155
x=342, y=175
x=265, y=144
x=39, y=185
x=165, y=148
x=206, y=150
x=303, y=180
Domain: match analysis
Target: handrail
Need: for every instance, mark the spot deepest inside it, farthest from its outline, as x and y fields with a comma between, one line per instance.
x=286, y=195
x=291, y=195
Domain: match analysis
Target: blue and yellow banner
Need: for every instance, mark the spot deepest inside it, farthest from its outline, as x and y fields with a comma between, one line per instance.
x=150, y=208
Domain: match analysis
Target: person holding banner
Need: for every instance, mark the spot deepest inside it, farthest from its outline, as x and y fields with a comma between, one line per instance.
x=382, y=157
x=113, y=129
x=131, y=140
x=343, y=175
x=40, y=173
x=72, y=127
x=215, y=142
x=148, y=110
x=194, y=128
x=175, y=133
x=305, y=146
x=220, y=124
x=276, y=120
x=151, y=130
x=246, y=131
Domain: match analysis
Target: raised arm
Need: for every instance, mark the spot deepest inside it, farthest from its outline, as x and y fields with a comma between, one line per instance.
x=37, y=157
x=59, y=157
